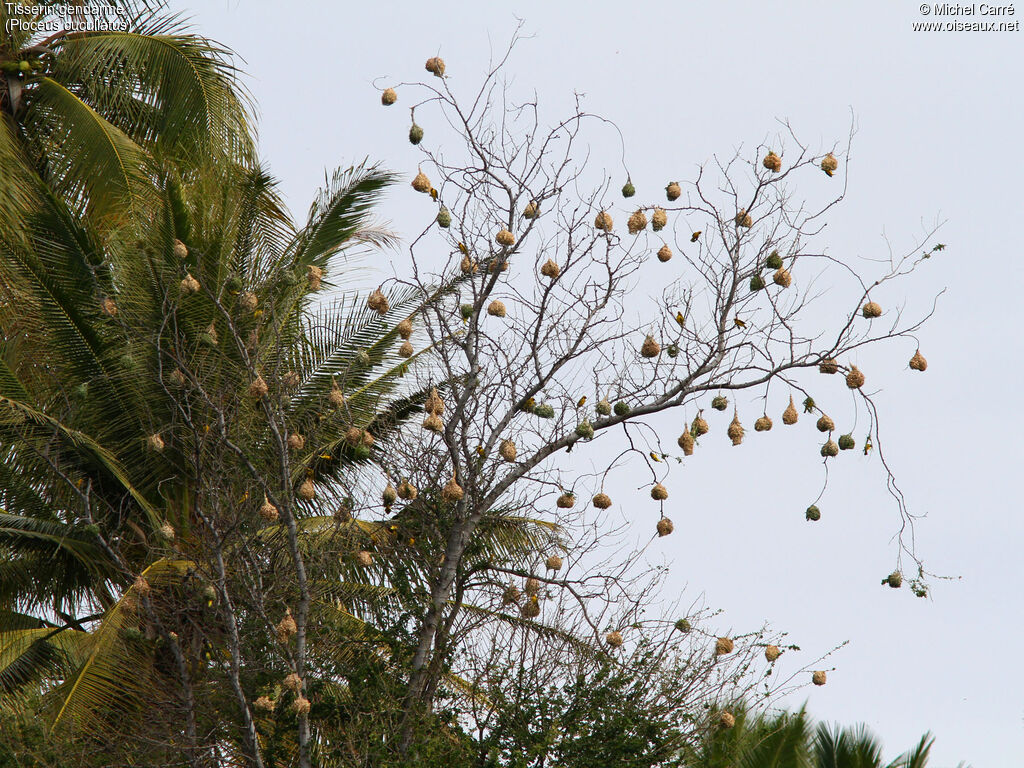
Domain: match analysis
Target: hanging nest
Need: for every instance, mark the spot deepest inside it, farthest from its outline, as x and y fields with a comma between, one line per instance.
x=292, y=682
x=683, y=625
x=364, y=558
x=566, y=500
x=499, y=264
x=301, y=705
x=296, y=442
x=335, y=397
x=507, y=450
x=291, y=380
x=550, y=269
x=258, y=388
x=603, y=221
x=420, y=183
x=637, y=222
x=699, y=426
x=756, y=283
x=650, y=348
x=659, y=219
x=531, y=211
x=686, y=442
x=180, y=250
x=511, y=595
x=772, y=162
x=628, y=190
x=406, y=350
x=829, y=164
x=659, y=492
x=719, y=402
x=854, y=379
x=585, y=430
x=830, y=449
x=444, y=218
x=496, y=309
x=673, y=191
x=504, y=237
x=389, y=495
x=155, y=443
x=435, y=65
x=743, y=219
x=726, y=719
x=357, y=436
x=452, y=491
x=918, y=363
x=763, y=424
x=664, y=527
x=602, y=501
x=314, y=276
x=532, y=587
x=544, y=411
x=553, y=563
x=378, y=302
x=828, y=365
x=263, y=704
x=872, y=310
x=847, y=443
x=167, y=532
x=415, y=137
x=268, y=511
x=433, y=424
x=177, y=378
x=603, y=407
x=724, y=646
x=735, y=430
x=813, y=514
x=774, y=260
x=621, y=408
x=141, y=586
x=248, y=302
x=287, y=628
x=614, y=639
x=782, y=278
x=531, y=608
x=407, y=491
x=434, y=404
x=188, y=286
x=388, y=97
x=664, y=254
x=772, y=652
x=894, y=580
x=404, y=328
x=307, y=491
x=818, y=677
x=825, y=423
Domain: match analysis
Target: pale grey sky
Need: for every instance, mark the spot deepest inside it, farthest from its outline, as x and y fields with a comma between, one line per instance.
x=939, y=119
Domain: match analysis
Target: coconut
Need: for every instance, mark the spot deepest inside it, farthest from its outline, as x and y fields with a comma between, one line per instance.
x=504, y=237
x=829, y=164
x=719, y=402
x=434, y=404
x=918, y=363
x=828, y=365
x=258, y=388
x=296, y=441
x=532, y=587
x=389, y=97
x=724, y=646
x=585, y=429
x=407, y=491
x=404, y=328
x=507, y=450
x=415, y=137
x=421, y=183
x=894, y=580
x=782, y=277
x=553, y=563
x=307, y=491
x=830, y=449
x=189, y=286
x=389, y=495
x=603, y=221
x=566, y=500
x=435, y=65
x=406, y=350
x=854, y=379
x=726, y=719
x=510, y=595
x=659, y=492
x=263, y=704
x=335, y=397
x=762, y=424
x=673, y=191
x=287, y=628
x=686, y=442
x=268, y=511
x=650, y=348
x=291, y=380
x=364, y=558
x=735, y=430
x=871, y=310
x=378, y=302
x=699, y=426
x=659, y=219
x=292, y=682
x=756, y=283
x=452, y=491
x=444, y=218
x=825, y=424
x=621, y=408
x=301, y=705
x=818, y=677
x=602, y=501
x=496, y=309
x=772, y=652
x=743, y=218
x=550, y=269
x=664, y=253
x=614, y=639
x=772, y=162
x=813, y=514
x=179, y=249
x=433, y=424
x=531, y=211
x=531, y=608
x=628, y=190
x=248, y=301
x=664, y=527
x=603, y=407
x=155, y=443
x=314, y=275
x=637, y=222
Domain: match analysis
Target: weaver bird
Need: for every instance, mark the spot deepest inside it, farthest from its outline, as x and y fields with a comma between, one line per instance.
x=867, y=445
x=480, y=451
x=528, y=404
x=739, y=323
x=433, y=194
x=463, y=249
x=655, y=456
x=581, y=402
x=680, y=318
x=695, y=235
x=827, y=172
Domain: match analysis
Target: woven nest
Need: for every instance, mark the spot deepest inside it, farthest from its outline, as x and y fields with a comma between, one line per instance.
x=407, y=491
x=268, y=511
x=307, y=491
x=434, y=404
x=287, y=627
x=743, y=218
x=854, y=379
x=406, y=349
x=756, y=283
x=301, y=705
x=258, y=388
x=532, y=587
x=673, y=191
x=496, y=309
x=664, y=253
x=499, y=265
x=782, y=278
x=263, y=704
x=378, y=302
x=830, y=449
x=180, y=250
x=894, y=580
x=155, y=443
x=602, y=501
x=813, y=514
x=726, y=719
x=296, y=441
x=531, y=608
x=818, y=677
x=415, y=137
x=659, y=492
x=603, y=221
x=421, y=183
x=188, y=286
x=772, y=162
x=389, y=97
x=762, y=424
x=585, y=430
x=664, y=527
x=504, y=237
x=774, y=260
x=772, y=652
x=510, y=595
x=404, y=328
x=566, y=500
x=828, y=365
x=141, y=586
x=444, y=218
x=178, y=378
x=435, y=65
x=389, y=495
x=735, y=430
x=364, y=558
x=650, y=348
x=790, y=415
x=433, y=424
x=603, y=407
x=167, y=532
x=659, y=219
x=829, y=163
x=637, y=222
x=699, y=426
x=872, y=310
x=291, y=380
x=683, y=625
x=544, y=411
x=621, y=408
x=452, y=491
x=614, y=639
x=292, y=682
x=825, y=423
x=847, y=443
x=550, y=269
x=723, y=646
x=686, y=442
x=719, y=402
x=918, y=363
x=248, y=301
x=314, y=275
x=335, y=397
x=507, y=450
x=553, y=563
x=531, y=211
x=628, y=190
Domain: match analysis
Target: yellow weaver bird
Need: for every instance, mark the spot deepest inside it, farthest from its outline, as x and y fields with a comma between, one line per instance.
x=695, y=235
x=867, y=445
x=581, y=402
x=529, y=403
x=433, y=194
x=480, y=451
x=739, y=323
x=655, y=456
x=680, y=318
x=463, y=249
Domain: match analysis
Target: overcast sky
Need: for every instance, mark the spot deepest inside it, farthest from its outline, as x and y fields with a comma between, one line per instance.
x=939, y=121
